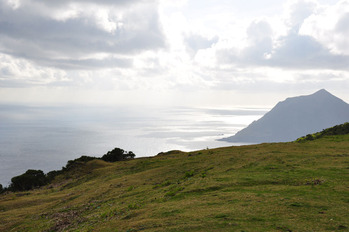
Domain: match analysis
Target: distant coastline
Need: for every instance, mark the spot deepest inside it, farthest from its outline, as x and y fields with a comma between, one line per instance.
x=46, y=137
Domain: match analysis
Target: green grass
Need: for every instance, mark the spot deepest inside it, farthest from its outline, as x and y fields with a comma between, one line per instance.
x=267, y=187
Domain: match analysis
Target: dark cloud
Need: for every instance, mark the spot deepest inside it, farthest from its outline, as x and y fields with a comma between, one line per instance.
x=28, y=32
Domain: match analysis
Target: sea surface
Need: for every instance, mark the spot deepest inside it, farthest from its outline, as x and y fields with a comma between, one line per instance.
x=46, y=138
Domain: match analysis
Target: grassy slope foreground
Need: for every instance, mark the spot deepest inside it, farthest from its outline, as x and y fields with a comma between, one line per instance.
x=267, y=187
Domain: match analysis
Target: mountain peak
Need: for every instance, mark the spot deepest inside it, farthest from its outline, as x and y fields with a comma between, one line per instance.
x=322, y=92
x=296, y=117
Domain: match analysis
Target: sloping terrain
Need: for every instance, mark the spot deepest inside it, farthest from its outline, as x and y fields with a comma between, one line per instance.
x=267, y=187
x=335, y=130
x=295, y=117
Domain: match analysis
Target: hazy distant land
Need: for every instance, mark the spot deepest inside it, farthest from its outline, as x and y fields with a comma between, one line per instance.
x=295, y=117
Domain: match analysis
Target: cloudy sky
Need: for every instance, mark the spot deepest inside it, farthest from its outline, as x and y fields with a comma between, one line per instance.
x=165, y=52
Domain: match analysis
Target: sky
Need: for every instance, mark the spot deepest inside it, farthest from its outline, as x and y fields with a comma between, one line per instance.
x=172, y=53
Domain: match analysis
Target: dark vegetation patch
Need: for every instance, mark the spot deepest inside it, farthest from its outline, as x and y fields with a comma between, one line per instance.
x=32, y=179
x=341, y=129
x=283, y=229
x=315, y=182
x=173, y=152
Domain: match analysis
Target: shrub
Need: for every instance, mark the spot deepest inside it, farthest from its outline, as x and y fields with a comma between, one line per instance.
x=341, y=129
x=52, y=174
x=29, y=180
x=118, y=154
x=77, y=162
x=309, y=137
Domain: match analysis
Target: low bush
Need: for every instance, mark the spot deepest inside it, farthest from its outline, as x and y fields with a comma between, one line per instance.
x=118, y=154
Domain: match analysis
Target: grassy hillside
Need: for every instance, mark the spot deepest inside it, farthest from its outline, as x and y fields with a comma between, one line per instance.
x=341, y=129
x=266, y=187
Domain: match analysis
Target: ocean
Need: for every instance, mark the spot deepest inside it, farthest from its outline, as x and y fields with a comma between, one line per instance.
x=45, y=138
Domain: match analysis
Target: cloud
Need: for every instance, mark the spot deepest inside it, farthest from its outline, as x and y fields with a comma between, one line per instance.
x=108, y=2
x=164, y=46
x=330, y=27
x=56, y=34
x=20, y=73
x=299, y=48
x=304, y=52
x=297, y=11
x=260, y=43
x=195, y=42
